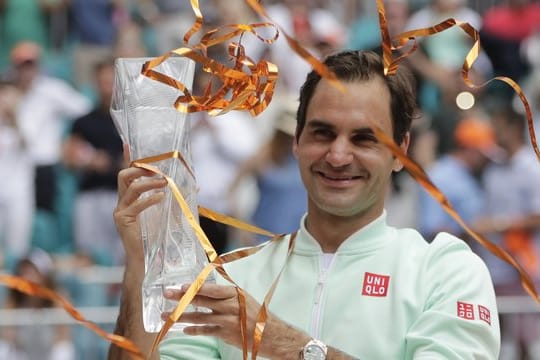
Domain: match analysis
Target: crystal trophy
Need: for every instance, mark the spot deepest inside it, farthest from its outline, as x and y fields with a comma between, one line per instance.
x=144, y=114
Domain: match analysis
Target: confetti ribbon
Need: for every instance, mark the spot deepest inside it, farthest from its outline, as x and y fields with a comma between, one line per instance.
x=33, y=289
x=390, y=67
x=390, y=64
x=251, y=91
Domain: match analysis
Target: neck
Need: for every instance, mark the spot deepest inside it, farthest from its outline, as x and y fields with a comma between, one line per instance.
x=331, y=231
x=514, y=147
x=463, y=157
x=105, y=105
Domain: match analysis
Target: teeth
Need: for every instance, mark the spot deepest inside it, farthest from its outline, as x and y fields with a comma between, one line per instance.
x=343, y=179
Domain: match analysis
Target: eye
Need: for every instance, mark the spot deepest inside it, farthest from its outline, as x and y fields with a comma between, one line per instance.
x=364, y=139
x=323, y=133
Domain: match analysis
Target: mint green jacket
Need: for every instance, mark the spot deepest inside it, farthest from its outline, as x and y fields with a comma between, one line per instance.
x=385, y=294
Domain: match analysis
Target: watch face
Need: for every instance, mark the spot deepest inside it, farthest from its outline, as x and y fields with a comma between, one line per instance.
x=314, y=352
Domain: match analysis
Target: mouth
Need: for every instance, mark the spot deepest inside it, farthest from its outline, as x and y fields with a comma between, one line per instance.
x=338, y=179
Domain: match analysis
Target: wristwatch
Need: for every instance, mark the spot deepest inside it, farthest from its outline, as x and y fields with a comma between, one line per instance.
x=314, y=350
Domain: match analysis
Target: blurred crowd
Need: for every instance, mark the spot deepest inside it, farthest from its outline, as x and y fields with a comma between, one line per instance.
x=60, y=151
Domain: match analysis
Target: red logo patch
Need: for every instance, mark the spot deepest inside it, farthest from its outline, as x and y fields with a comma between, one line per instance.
x=484, y=314
x=375, y=285
x=465, y=311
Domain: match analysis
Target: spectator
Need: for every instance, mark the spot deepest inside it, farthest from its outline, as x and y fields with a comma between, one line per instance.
x=94, y=151
x=46, y=106
x=281, y=194
x=457, y=174
x=218, y=146
x=505, y=27
x=95, y=26
x=441, y=56
x=21, y=20
x=168, y=20
x=313, y=27
x=36, y=342
x=365, y=32
x=17, y=190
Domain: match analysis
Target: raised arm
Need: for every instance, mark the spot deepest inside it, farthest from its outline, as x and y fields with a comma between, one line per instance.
x=133, y=182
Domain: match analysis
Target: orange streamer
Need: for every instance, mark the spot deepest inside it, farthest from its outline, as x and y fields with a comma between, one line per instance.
x=33, y=289
x=251, y=91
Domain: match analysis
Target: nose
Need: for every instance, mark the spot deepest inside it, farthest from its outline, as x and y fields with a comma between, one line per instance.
x=339, y=154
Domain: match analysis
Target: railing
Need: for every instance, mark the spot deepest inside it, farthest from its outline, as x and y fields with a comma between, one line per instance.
x=519, y=304
x=57, y=316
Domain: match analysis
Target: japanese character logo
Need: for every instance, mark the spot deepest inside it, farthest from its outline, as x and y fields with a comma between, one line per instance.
x=465, y=310
x=484, y=314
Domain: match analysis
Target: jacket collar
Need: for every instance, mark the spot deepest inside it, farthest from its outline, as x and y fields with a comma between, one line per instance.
x=366, y=240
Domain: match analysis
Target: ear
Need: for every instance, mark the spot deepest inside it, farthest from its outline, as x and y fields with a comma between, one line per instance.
x=404, y=146
x=295, y=147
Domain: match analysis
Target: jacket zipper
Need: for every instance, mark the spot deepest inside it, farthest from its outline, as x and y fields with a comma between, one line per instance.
x=325, y=266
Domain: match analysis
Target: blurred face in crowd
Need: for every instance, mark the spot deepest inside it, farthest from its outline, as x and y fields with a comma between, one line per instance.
x=448, y=5
x=397, y=15
x=105, y=83
x=26, y=72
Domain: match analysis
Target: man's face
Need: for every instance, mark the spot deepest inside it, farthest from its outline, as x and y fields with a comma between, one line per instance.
x=503, y=132
x=105, y=84
x=344, y=168
x=26, y=73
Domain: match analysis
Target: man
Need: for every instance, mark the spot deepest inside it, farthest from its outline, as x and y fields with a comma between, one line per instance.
x=47, y=104
x=457, y=175
x=46, y=107
x=94, y=151
x=364, y=289
x=17, y=190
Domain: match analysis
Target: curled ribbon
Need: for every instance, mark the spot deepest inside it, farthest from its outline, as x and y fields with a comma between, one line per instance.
x=252, y=92
x=390, y=67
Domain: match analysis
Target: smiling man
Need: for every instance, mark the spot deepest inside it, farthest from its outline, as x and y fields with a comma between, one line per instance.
x=353, y=287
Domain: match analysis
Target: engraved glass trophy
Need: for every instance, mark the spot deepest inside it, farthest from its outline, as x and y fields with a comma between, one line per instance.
x=144, y=114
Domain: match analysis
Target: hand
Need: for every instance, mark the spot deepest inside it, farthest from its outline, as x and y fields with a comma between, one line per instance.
x=224, y=319
x=279, y=341
x=132, y=183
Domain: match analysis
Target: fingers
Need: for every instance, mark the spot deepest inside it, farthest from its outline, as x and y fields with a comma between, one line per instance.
x=215, y=291
x=126, y=153
x=209, y=330
x=206, y=323
x=131, y=185
x=218, y=298
x=137, y=188
x=129, y=175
